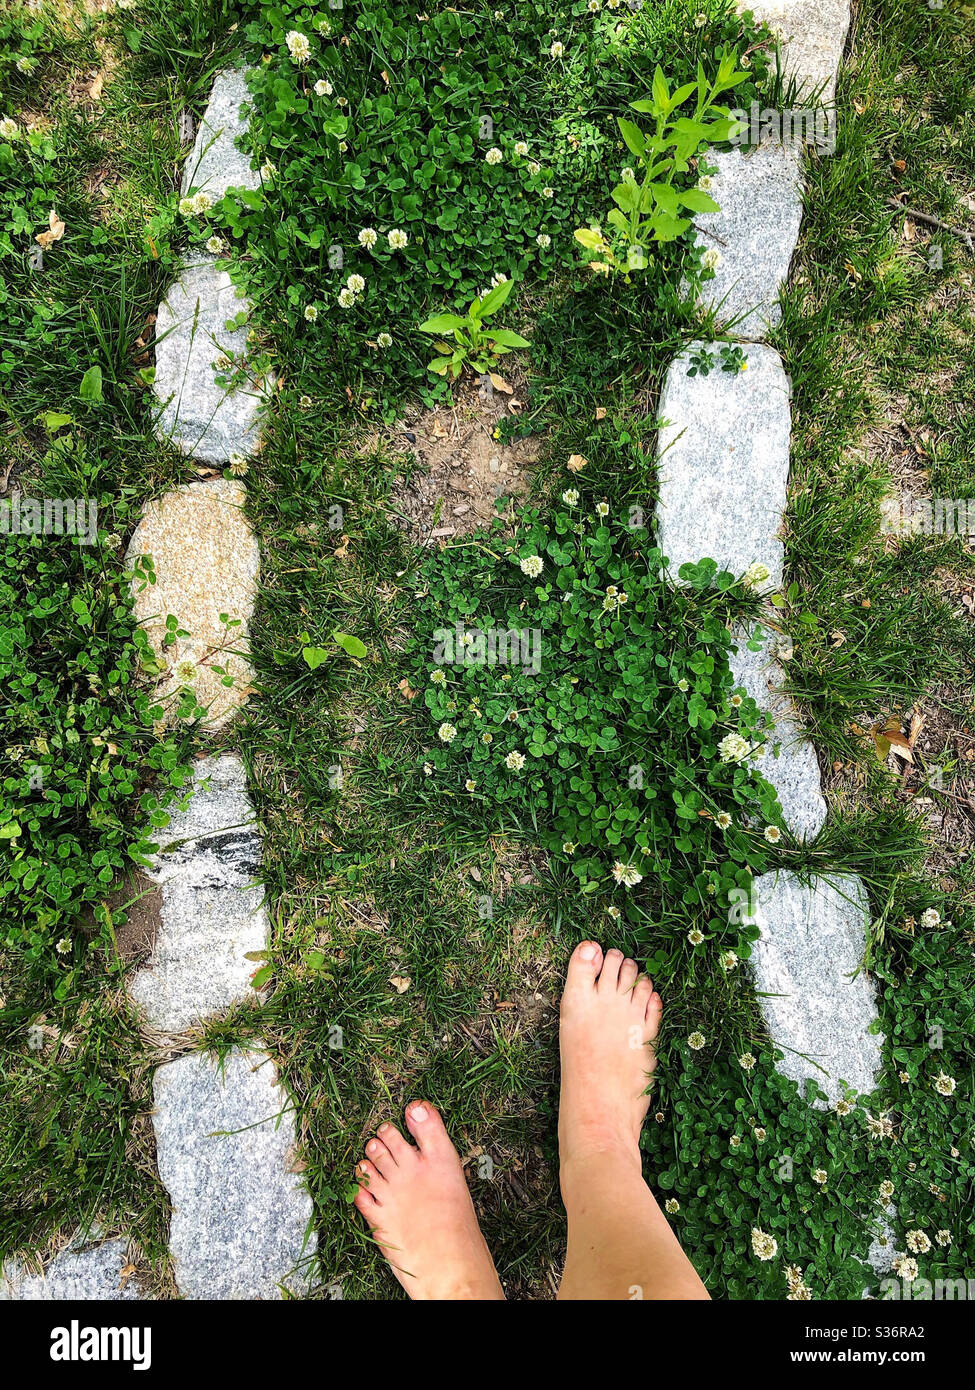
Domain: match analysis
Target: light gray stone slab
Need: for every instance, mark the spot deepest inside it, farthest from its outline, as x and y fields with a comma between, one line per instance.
x=88, y=1272
x=753, y=236
x=206, y=561
x=813, y=34
x=194, y=347
x=225, y=1152
x=883, y=1247
x=723, y=463
x=215, y=163
x=788, y=759
x=818, y=1004
x=211, y=913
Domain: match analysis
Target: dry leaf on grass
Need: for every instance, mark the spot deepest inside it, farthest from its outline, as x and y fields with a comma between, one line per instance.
x=56, y=231
x=401, y=983
x=576, y=463
x=408, y=692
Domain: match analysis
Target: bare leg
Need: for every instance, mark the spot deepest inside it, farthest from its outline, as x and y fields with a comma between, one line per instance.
x=620, y=1244
x=416, y=1201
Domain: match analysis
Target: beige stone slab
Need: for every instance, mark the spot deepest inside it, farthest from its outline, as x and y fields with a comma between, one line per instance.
x=206, y=561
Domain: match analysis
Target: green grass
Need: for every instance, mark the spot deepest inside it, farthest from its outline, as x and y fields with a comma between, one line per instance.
x=367, y=883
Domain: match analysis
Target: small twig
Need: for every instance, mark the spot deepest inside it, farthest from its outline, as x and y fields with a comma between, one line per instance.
x=713, y=235
x=926, y=217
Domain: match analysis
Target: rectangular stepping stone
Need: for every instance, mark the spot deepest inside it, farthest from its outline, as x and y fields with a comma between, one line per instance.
x=753, y=236
x=88, y=1272
x=818, y=1005
x=215, y=163
x=193, y=347
x=206, y=560
x=723, y=463
x=794, y=770
x=212, y=912
x=225, y=1152
x=813, y=34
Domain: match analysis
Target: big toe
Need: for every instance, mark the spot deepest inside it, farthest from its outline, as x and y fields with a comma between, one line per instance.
x=584, y=966
x=429, y=1130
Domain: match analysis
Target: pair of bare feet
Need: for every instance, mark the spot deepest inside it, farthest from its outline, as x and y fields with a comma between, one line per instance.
x=415, y=1198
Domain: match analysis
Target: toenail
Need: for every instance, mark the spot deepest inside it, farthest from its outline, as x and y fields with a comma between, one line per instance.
x=363, y=1167
x=587, y=953
x=418, y=1113
x=372, y=1147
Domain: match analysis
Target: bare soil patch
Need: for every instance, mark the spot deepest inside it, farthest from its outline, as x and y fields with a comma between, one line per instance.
x=463, y=468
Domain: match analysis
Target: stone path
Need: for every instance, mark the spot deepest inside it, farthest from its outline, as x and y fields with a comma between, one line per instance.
x=242, y=1221
x=723, y=467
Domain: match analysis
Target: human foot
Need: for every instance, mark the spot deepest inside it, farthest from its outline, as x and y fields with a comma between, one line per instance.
x=417, y=1204
x=610, y=1017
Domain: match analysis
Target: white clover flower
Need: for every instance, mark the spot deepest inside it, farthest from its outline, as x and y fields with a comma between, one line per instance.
x=515, y=761
x=930, y=917
x=186, y=671
x=268, y=170
x=569, y=847
x=238, y=465
x=695, y=936
x=446, y=733
x=397, y=239
x=628, y=175
x=470, y=784
x=298, y=47
x=735, y=702
x=819, y=1175
x=746, y=1061
x=905, y=1267
x=428, y=769
x=532, y=565
x=341, y=101
x=843, y=1107
x=755, y=574
x=602, y=509
x=185, y=207
x=700, y=20
x=202, y=202
x=772, y=834
x=943, y=1237
x=711, y=259
x=627, y=874
x=683, y=685
x=696, y=1041
x=311, y=313
x=521, y=148
x=918, y=1241
x=571, y=497
x=493, y=156
x=705, y=183
x=557, y=50
x=760, y=1134
x=671, y=1205
x=356, y=283
x=216, y=245
x=614, y=913
x=438, y=677
x=722, y=820
x=595, y=6
x=63, y=946
x=384, y=340
x=543, y=240
x=9, y=129
x=499, y=279
x=733, y=748
x=323, y=88
x=534, y=167
x=368, y=237
x=548, y=192
x=728, y=961
x=944, y=1084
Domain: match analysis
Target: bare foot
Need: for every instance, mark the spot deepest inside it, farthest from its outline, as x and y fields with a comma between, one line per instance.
x=610, y=1017
x=417, y=1204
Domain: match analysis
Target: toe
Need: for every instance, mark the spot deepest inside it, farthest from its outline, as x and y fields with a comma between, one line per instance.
x=428, y=1129
x=584, y=966
x=369, y=1177
x=366, y=1203
x=381, y=1157
x=629, y=971
x=401, y=1149
x=642, y=991
x=609, y=976
x=655, y=1007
